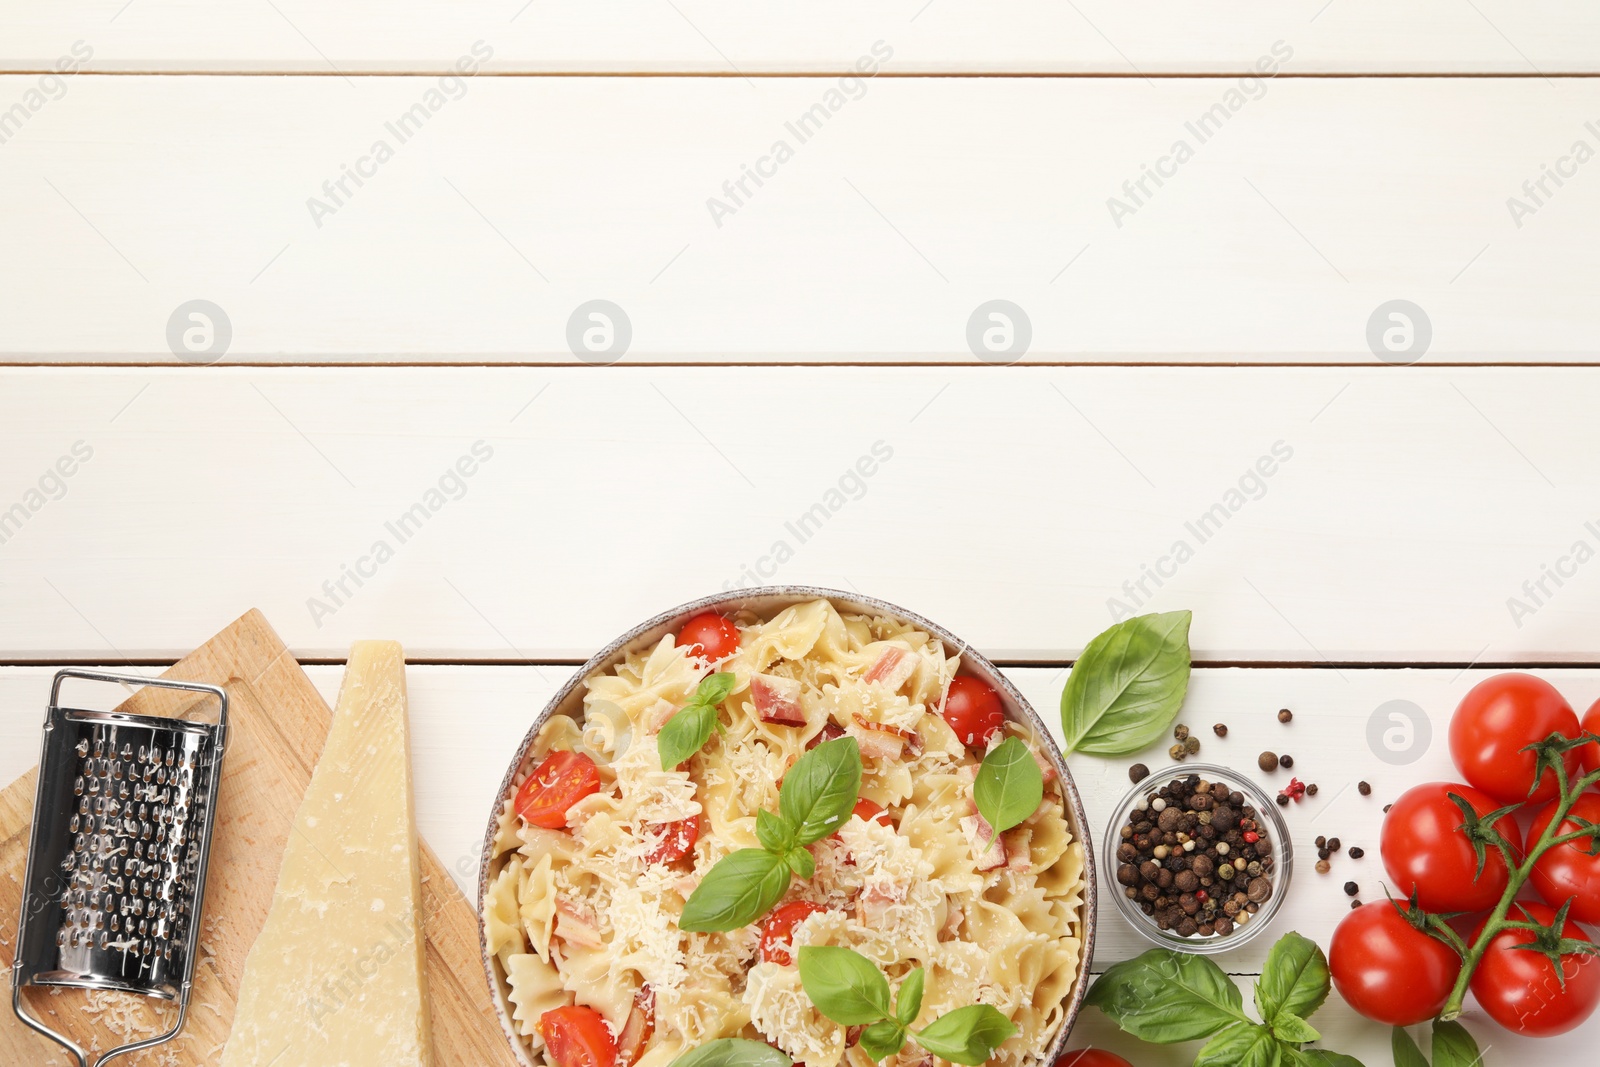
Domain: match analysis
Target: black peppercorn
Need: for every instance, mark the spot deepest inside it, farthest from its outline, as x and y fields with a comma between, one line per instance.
x=1354, y=904
x=1351, y=889
x=1356, y=852
x=1286, y=761
x=1283, y=800
x=1285, y=715
x=1364, y=788
x=1138, y=772
x=1311, y=790
x=1220, y=729
x=1333, y=844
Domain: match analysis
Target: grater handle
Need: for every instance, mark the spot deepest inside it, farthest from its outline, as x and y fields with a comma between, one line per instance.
x=134, y=680
x=79, y=1054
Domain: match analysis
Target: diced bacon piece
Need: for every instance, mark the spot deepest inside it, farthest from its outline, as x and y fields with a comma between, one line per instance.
x=1046, y=768
x=637, y=1031
x=829, y=732
x=777, y=699
x=987, y=850
x=576, y=925
x=885, y=741
x=953, y=918
x=1018, y=844
x=892, y=669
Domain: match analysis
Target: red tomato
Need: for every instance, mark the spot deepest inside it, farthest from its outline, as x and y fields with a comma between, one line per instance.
x=777, y=932
x=1568, y=872
x=577, y=1037
x=1519, y=988
x=1495, y=720
x=1424, y=849
x=563, y=779
x=1387, y=969
x=673, y=840
x=973, y=710
x=1092, y=1057
x=709, y=635
x=1591, y=725
x=867, y=810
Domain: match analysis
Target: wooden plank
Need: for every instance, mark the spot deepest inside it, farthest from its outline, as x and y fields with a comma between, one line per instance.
x=278, y=725
x=1302, y=208
x=1412, y=520
x=1097, y=36
x=468, y=719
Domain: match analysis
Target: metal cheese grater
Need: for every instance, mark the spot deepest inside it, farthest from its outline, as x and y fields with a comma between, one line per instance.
x=116, y=874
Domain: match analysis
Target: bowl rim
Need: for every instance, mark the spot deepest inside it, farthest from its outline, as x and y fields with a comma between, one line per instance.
x=1283, y=847
x=651, y=630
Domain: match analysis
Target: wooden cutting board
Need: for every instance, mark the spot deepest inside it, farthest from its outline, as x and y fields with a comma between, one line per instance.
x=279, y=725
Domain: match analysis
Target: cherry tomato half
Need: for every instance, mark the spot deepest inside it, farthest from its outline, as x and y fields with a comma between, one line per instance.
x=1519, y=988
x=1425, y=850
x=577, y=1037
x=563, y=779
x=1387, y=969
x=673, y=840
x=1495, y=720
x=973, y=710
x=1568, y=872
x=1092, y=1057
x=777, y=932
x=710, y=635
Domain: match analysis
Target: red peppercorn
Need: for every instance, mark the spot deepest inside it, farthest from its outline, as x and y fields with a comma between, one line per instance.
x=1201, y=894
x=1251, y=837
x=1294, y=791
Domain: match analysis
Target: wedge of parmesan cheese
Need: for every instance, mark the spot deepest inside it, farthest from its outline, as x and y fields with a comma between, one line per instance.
x=336, y=977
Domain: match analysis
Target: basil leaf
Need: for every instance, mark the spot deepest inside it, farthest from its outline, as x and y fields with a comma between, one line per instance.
x=1406, y=1052
x=774, y=834
x=1454, y=1047
x=801, y=861
x=882, y=1039
x=1127, y=685
x=685, y=734
x=1240, y=1045
x=1287, y=1026
x=1320, y=1057
x=740, y=889
x=733, y=1052
x=821, y=789
x=967, y=1035
x=843, y=984
x=1164, y=996
x=909, y=999
x=1009, y=785
x=715, y=688
x=1294, y=981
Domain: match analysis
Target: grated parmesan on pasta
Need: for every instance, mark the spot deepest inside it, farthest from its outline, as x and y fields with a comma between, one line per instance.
x=581, y=916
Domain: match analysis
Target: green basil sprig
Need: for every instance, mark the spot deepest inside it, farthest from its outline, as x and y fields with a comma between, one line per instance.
x=733, y=1052
x=1009, y=785
x=1164, y=996
x=817, y=796
x=849, y=989
x=690, y=726
x=1127, y=686
x=1452, y=1047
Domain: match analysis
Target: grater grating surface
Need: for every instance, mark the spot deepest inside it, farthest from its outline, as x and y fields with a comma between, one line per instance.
x=117, y=857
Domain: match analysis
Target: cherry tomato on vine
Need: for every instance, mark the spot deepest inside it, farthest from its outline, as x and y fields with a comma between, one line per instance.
x=1387, y=969
x=1591, y=725
x=973, y=710
x=563, y=779
x=1519, y=988
x=1092, y=1057
x=710, y=635
x=1568, y=872
x=1495, y=720
x=577, y=1037
x=1426, y=850
x=777, y=931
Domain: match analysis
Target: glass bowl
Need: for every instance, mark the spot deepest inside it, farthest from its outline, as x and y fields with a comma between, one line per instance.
x=1266, y=813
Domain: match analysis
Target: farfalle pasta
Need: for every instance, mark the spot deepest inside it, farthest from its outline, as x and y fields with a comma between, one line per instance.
x=583, y=902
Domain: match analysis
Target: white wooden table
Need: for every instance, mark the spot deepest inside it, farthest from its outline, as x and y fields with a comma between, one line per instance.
x=1199, y=216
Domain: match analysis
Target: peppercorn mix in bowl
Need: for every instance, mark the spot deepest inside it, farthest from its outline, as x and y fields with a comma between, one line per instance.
x=1199, y=858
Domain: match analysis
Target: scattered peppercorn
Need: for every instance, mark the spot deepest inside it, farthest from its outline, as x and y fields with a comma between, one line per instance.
x=1322, y=842
x=1351, y=889
x=1333, y=844
x=1356, y=852
x=1311, y=790
x=1386, y=808
x=1285, y=715
x=1180, y=732
x=1192, y=744
x=1354, y=904
x=1324, y=853
x=1293, y=791
x=1286, y=761
x=1364, y=788
x=1267, y=762
x=1220, y=729
x=1138, y=772
x=1283, y=800
x=1178, y=751
x=1322, y=866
